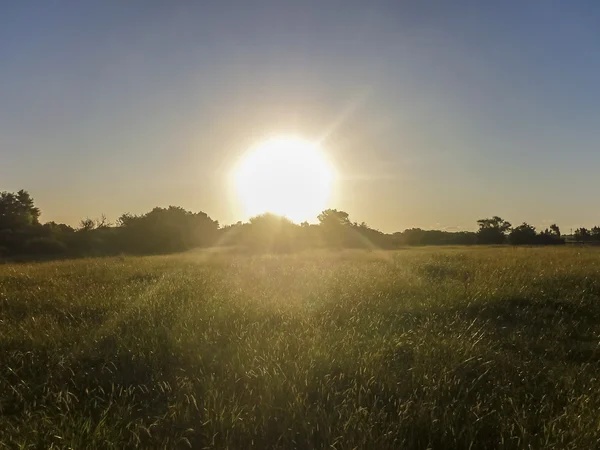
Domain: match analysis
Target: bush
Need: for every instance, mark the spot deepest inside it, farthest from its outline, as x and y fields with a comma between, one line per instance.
x=45, y=246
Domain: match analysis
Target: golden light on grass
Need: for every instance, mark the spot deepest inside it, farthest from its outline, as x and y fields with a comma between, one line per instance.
x=286, y=176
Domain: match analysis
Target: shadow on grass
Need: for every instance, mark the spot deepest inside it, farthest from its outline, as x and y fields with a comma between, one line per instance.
x=552, y=324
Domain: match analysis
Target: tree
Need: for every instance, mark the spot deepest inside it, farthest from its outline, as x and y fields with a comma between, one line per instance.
x=166, y=230
x=550, y=236
x=417, y=236
x=335, y=228
x=87, y=224
x=19, y=221
x=361, y=235
x=53, y=228
x=17, y=211
x=333, y=218
x=270, y=232
x=595, y=234
x=582, y=235
x=524, y=234
x=126, y=219
x=492, y=231
x=103, y=222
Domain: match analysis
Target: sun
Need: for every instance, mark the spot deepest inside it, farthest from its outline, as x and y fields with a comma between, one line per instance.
x=286, y=176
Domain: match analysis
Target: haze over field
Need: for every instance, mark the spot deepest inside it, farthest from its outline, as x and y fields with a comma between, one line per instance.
x=433, y=114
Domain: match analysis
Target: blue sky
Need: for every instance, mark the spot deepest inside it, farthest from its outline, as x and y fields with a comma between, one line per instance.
x=435, y=113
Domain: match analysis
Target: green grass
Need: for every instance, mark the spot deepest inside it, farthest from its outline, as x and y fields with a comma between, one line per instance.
x=423, y=348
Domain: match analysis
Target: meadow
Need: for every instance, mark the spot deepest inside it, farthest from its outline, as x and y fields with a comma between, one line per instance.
x=439, y=348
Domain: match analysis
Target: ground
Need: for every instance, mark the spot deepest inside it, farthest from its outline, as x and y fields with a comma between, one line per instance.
x=442, y=348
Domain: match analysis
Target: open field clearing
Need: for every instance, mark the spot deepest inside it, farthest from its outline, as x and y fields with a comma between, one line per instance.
x=437, y=348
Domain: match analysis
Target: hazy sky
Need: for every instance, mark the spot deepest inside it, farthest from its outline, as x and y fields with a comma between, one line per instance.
x=435, y=113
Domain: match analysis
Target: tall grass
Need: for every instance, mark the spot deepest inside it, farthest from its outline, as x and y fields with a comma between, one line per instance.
x=422, y=348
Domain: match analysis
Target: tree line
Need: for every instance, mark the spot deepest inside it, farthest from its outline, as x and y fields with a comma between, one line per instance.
x=173, y=229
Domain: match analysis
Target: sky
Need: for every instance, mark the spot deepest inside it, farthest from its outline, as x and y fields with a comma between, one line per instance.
x=434, y=113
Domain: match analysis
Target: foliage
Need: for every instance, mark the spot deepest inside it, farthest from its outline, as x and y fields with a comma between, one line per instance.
x=524, y=234
x=18, y=220
x=550, y=236
x=87, y=224
x=332, y=218
x=424, y=348
x=492, y=231
x=164, y=230
x=173, y=229
x=17, y=210
x=582, y=235
x=417, y=236
x=158, y=231
x=45, y=246
x=271, y=233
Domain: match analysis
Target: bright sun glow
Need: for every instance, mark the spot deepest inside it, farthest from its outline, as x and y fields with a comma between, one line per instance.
x=284, y=176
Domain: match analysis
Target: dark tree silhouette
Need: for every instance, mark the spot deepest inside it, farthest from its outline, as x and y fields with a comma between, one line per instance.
x=524, y=234
x=166, y=230
x=174, y=229
x=550, y=236
x=17, y=210
x=582, y=235
x=492, y=231
x=417, y=236
x=18, y=221
x=87, y=224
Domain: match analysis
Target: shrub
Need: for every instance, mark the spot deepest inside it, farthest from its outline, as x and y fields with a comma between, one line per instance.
x=45, y=246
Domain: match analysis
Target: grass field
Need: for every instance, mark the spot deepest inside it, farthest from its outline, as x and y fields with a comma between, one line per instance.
x=422, y=348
